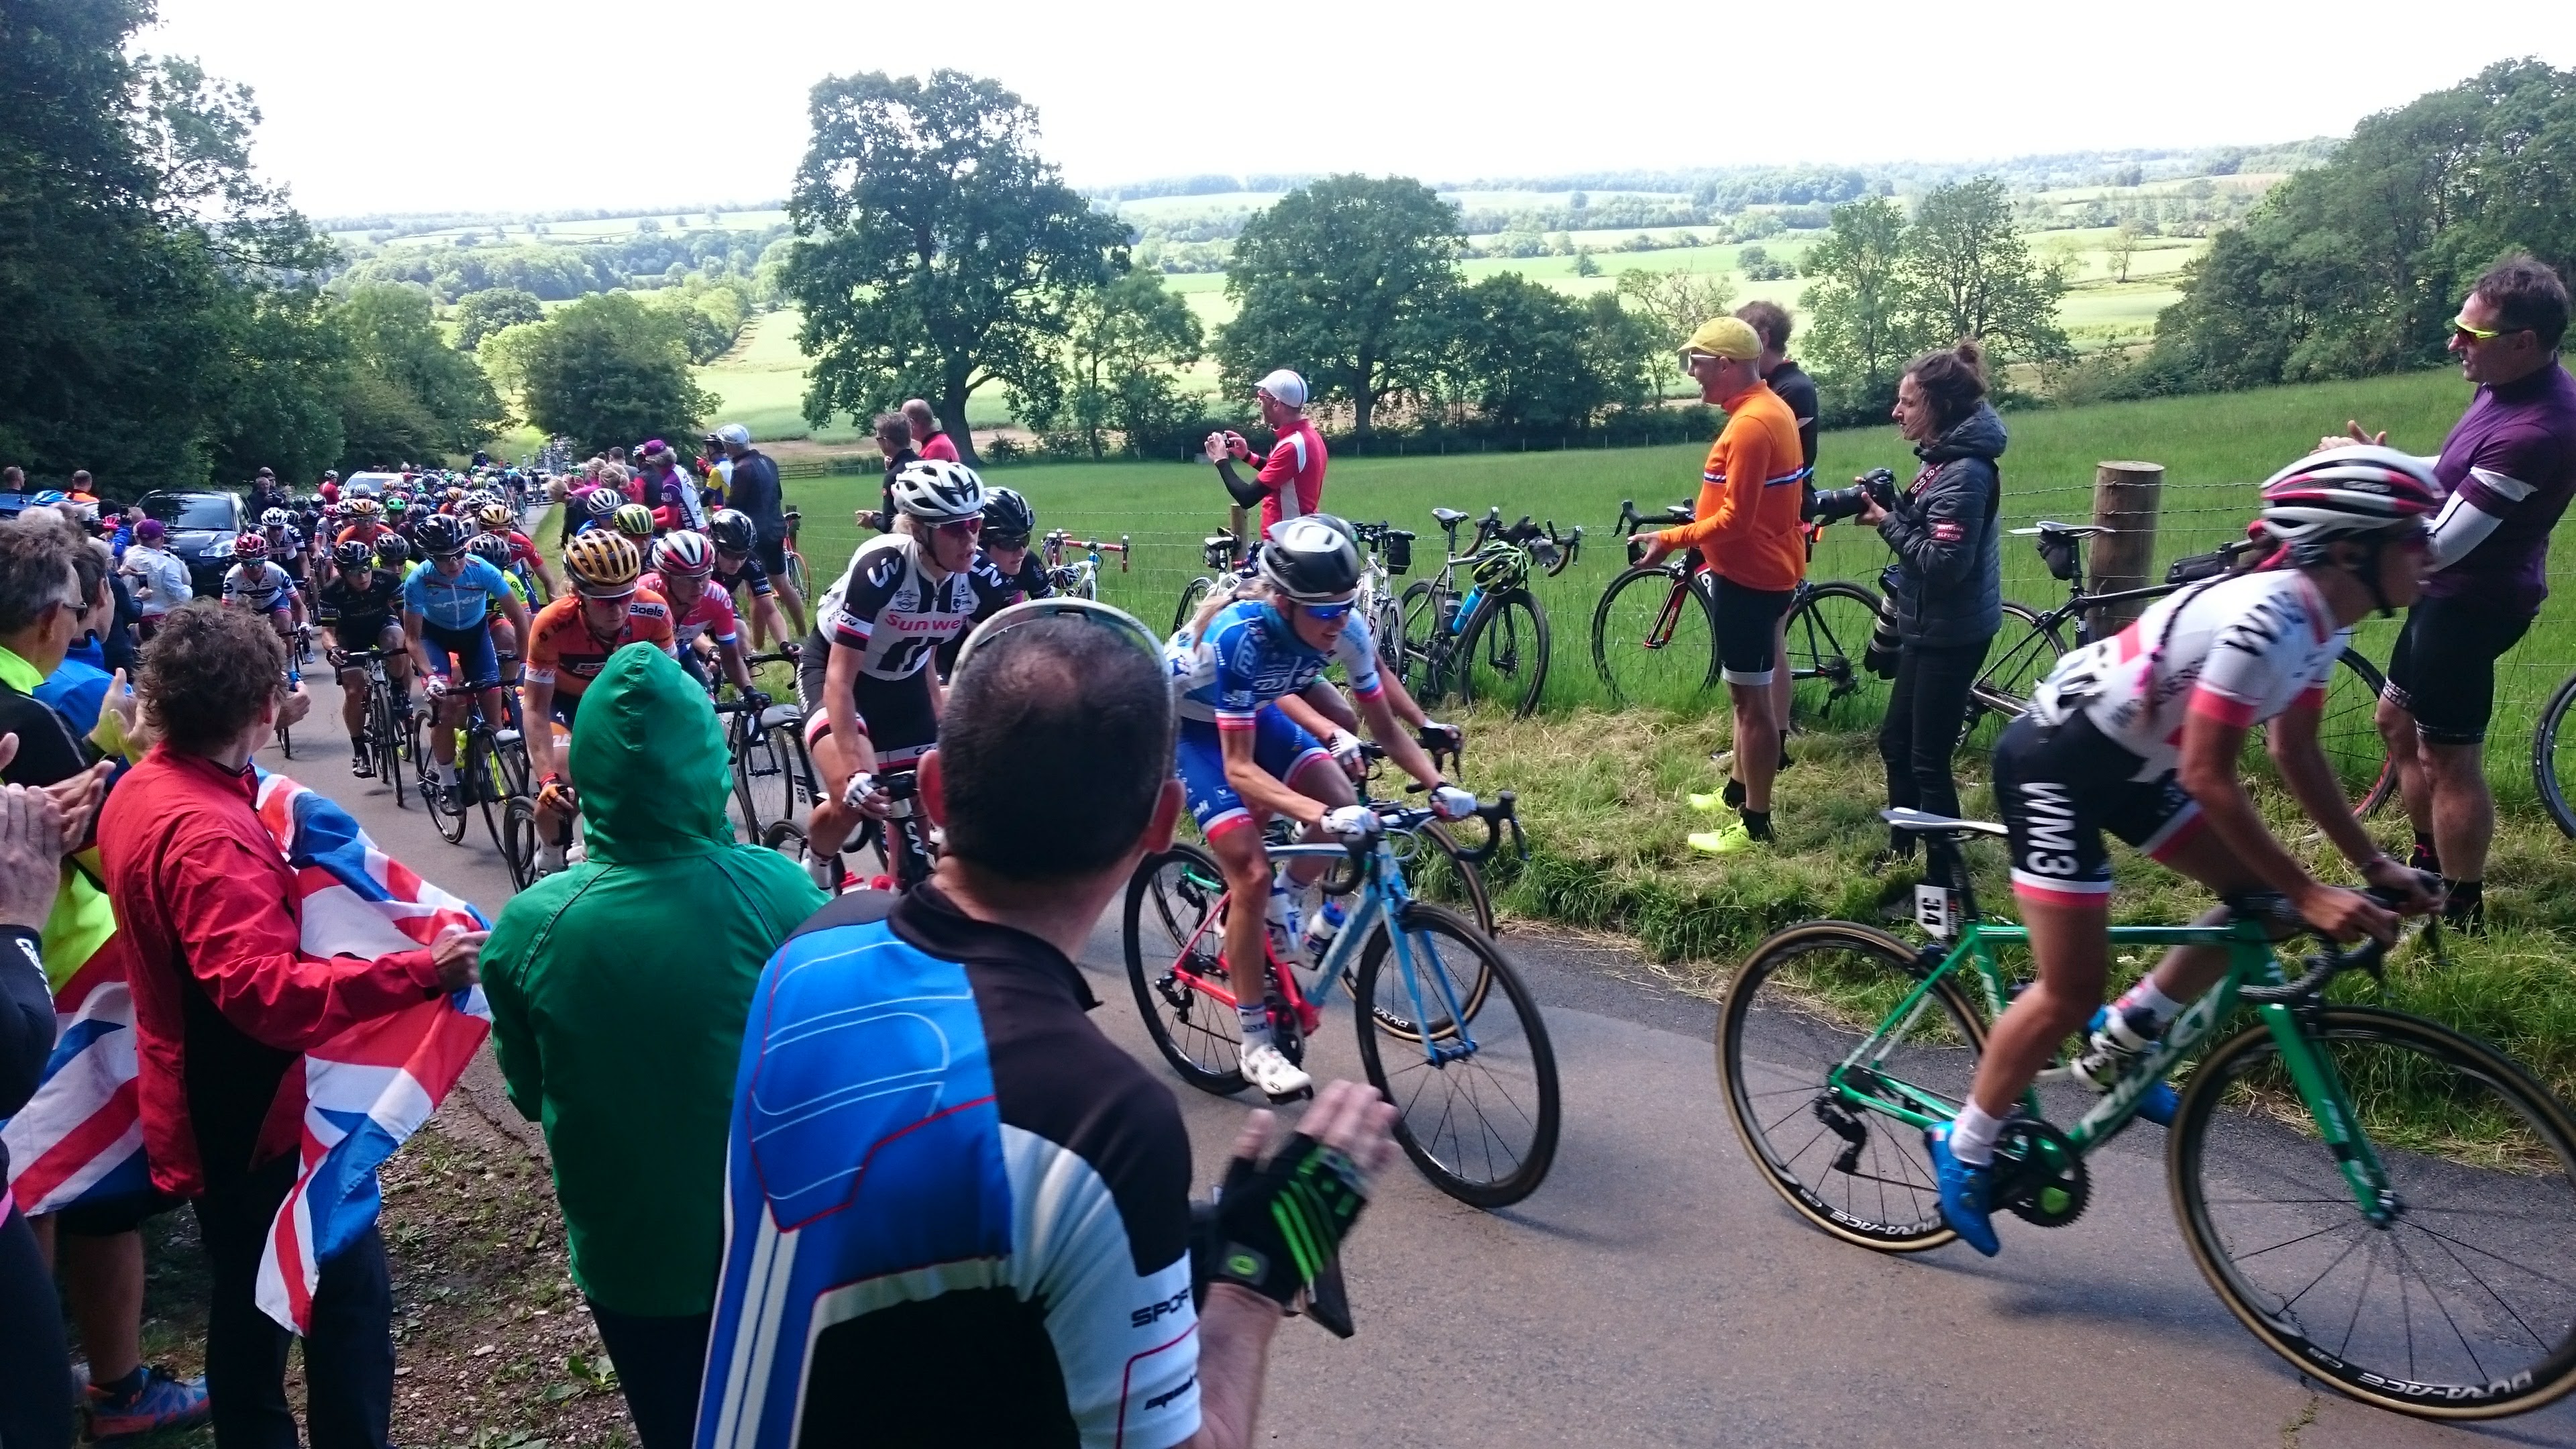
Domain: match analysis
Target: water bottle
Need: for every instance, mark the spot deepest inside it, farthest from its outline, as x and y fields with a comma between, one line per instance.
x=1321, y=930
x=1466, y=607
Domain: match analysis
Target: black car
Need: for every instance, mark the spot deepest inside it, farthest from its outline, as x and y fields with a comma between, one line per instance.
x=202, y=527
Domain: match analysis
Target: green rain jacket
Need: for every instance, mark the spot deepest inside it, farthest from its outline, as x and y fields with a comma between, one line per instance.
x=619, y=988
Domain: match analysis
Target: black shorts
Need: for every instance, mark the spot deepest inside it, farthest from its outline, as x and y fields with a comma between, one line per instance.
x=113, y=1216
x=2058, y=787
x=1748, y=623
x=772, y=553
x=895, y=713
x=2443, y=669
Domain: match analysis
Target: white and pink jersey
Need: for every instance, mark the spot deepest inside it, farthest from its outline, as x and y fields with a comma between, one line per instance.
x=2243, y=650
x=712, y=614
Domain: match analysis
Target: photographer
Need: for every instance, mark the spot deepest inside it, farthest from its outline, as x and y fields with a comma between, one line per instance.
x=1947, y=583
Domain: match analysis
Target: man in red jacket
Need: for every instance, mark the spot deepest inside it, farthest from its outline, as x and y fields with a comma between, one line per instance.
x=225, y=1001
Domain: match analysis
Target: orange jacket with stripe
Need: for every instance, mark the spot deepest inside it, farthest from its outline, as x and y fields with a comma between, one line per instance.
x=1747, y=524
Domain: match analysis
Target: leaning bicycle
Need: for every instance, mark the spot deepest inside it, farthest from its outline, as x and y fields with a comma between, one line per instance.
x=1489, y=640
x=1079, y=577
x=2553, y=756
x=1474, y=1083
x=1229, y=563
x=2386, y=1203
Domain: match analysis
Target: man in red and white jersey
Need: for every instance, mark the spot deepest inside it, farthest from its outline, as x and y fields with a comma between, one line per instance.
x=1291, y=481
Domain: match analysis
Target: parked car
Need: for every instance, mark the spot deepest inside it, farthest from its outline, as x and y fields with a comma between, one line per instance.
x=202, y=526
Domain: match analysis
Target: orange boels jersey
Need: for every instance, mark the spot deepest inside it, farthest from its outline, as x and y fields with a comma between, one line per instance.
x=1747, y=524
x=563, y=652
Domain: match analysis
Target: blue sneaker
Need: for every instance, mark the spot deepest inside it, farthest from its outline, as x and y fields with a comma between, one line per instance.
x=1963, y=1193
x=2158, y=1102
x=152, y=1402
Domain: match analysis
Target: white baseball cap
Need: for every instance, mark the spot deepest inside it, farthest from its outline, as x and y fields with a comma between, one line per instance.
x=1286, y=386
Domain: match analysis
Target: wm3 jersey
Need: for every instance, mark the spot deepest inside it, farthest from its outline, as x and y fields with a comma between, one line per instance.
x=2243, y=650
x=891, y=611
x=1250, y=656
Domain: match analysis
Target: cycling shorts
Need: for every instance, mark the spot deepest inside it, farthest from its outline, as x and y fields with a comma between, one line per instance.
x=367, y=633
x=1748, y=623
x=772, y=553
x=2059, y=787
x=482, y=667
x=895, y=714
x=2443, y=669
x=1280, y=746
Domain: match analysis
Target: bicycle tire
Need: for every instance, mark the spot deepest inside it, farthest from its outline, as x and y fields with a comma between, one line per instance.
x=772, y=776
x=1515, y=672
x=1824, y=639
x=2544, y=1158
x=1178, y=909
x=285, y=738
x=1193, y=594
x=2002, y=689
x=1680, y=670
x=384, y=748
x=2349, y=733
x=1419, y=631
x=797, y=578
x=2545, y=773
x=1782, y=1125
x=1435, y=1138
x=451, y=822
x=504, y=779
x=519, y=841
x=1388, y=624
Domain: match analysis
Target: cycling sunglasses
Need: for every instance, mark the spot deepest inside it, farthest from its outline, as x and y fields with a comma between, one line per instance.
x=1091, y=611
x=1006, y=540
x=961, y=528
x=1328, y=612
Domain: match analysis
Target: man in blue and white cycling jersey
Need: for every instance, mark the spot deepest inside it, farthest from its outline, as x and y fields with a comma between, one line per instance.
x=1249, y=747
x=446, y=614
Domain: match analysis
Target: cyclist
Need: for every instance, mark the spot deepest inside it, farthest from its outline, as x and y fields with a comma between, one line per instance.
x=359, y=607
x=259, y=585
x=871, y=699
x=1246, y=747
x=446, y=604
x=1005, y=571
x=497, y=518
x=1291, y=481
x=738, y=569
x=366, y=521
x=594, y=509
x=285, y=545
x=636, y=522
x=702, y=617
x=607, y=610
x=2140, y=735
x=669, y=490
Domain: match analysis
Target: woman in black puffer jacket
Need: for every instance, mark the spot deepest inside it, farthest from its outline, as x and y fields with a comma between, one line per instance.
x=1947, y=583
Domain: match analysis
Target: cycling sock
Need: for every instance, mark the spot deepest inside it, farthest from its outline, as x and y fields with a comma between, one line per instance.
x=121, y=1393
x=2425, y=857
x=1972, y=1136
x=2465, y=903
x=1255, y=1021
x=2148, y=997
x=1757, y=823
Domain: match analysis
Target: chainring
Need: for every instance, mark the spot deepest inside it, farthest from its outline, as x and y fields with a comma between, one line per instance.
x=2039, y=1176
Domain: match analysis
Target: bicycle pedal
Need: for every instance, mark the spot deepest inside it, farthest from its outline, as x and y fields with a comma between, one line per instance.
x=1302, y=1094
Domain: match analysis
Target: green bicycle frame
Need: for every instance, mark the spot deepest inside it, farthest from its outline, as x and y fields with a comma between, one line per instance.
x=1858, y=1081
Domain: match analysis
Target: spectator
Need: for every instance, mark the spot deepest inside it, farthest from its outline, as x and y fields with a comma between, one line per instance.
x=754, y=489
x=1770, y=322
x=618, y=993
x=894, y=443
x=2509, y=466
x=225, y=1000
x=265, y=493
x=670, y=492
x=963, y=993
x=77, y=684
x=83, y=489
x=34, y=1412
x=1947, y=531
x=161, y=581
x=13, y=479
x=925, y=431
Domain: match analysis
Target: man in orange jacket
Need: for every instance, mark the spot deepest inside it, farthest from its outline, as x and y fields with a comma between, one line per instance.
x=1747, y=528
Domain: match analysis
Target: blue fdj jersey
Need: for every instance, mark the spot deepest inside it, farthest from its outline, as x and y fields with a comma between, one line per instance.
x=1250, y=656
x=457, y=603
x=940, y=1171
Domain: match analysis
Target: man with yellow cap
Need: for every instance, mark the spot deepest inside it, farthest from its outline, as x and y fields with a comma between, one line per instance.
x=1747, y=529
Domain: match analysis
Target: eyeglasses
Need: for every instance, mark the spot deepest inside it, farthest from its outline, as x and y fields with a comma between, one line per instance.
x=1090, y=611
x=961, y=528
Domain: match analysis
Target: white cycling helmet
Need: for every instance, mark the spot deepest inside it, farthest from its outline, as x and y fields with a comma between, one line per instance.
x=939, y=491
x=734, y=433
x=2340, y=492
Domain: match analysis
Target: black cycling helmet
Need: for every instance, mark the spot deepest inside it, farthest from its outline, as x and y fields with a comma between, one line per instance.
x=732, y=530
x=440, y=535
x=1008, y=518
x=392, y=550
x=492, y=548
x=354, y=554
x=1310, y=561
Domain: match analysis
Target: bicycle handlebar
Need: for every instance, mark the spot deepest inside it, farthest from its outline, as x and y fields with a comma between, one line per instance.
x=2371, y=955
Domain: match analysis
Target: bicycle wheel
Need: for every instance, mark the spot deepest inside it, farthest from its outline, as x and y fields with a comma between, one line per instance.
x=447, y=807
x=495, y=788
x=519, y=840
x=384, y=741
x=1654, y=639
x=1171, y=929
x=2002, y=691
x=1798, y=1009
x=1503, y=654
x=1193, y=594
x=1476, y=1107
x=2462, y=1305
x=1434, y=867
x=771, y=777
x=1828, y=632
x=285, y=739
x=1421, y=623
x=1387, y=623
x=2553, y=756
x=796, y=575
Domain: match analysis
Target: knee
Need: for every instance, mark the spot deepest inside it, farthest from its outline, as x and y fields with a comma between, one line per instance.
x=2396, y=725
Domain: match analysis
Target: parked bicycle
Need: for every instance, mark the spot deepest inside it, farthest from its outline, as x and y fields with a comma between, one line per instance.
x=2384, y=1202
x=1489, y=641
x=1654, y=635
x=1080, y=578
x=1389, y=556
x=2031, y=642
x=1475, y=1089
x=1228, y=564
x=2553, y=756
x=798, y=576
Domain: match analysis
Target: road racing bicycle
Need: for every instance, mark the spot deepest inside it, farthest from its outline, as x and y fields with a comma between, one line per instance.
x=1489, y=641
x=1080, y=578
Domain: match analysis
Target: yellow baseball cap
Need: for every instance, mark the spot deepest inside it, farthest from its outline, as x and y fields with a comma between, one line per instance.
x=1728, y=337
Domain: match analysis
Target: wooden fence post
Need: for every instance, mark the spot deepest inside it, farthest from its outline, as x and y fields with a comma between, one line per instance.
x=2125, y=499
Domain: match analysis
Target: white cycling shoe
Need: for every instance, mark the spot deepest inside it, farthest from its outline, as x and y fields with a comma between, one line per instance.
x=1269, y=1070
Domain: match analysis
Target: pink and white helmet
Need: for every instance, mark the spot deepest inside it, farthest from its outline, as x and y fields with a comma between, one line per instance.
x=2340, y=492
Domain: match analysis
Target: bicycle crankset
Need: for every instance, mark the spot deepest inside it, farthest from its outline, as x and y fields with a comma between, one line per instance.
x=2039, y=1177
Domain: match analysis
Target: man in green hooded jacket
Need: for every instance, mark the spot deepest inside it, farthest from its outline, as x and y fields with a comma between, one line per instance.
x=618, y=991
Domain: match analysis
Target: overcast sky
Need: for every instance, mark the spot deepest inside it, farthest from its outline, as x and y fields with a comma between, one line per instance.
x=516, y=105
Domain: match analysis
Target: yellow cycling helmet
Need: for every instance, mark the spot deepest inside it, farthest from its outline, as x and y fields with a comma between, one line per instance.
x=633, y=520
x=365, y=507
x=603, y=563
x=495, y=517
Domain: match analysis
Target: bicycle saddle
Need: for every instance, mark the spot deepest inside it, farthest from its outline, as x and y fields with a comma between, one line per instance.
x=1448, y=517
x=2065, y=530
x=1918, y=822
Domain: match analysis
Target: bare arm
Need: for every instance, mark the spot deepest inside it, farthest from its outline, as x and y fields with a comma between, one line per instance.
x=1235, y=1329
x=2210, y=749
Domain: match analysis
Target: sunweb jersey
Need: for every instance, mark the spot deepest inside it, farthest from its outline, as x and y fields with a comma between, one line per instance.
x=457, y=603
x=889, y=608
x=2243, y=650
x=1250, y=656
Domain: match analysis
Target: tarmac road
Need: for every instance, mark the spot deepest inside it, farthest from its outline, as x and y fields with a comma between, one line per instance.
x=1655, y=1292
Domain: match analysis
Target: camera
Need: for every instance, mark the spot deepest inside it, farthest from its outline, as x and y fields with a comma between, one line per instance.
x=1833, y=505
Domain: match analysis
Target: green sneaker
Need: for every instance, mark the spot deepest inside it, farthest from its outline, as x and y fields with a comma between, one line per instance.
x=1733, y=840
x=1707, y=801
